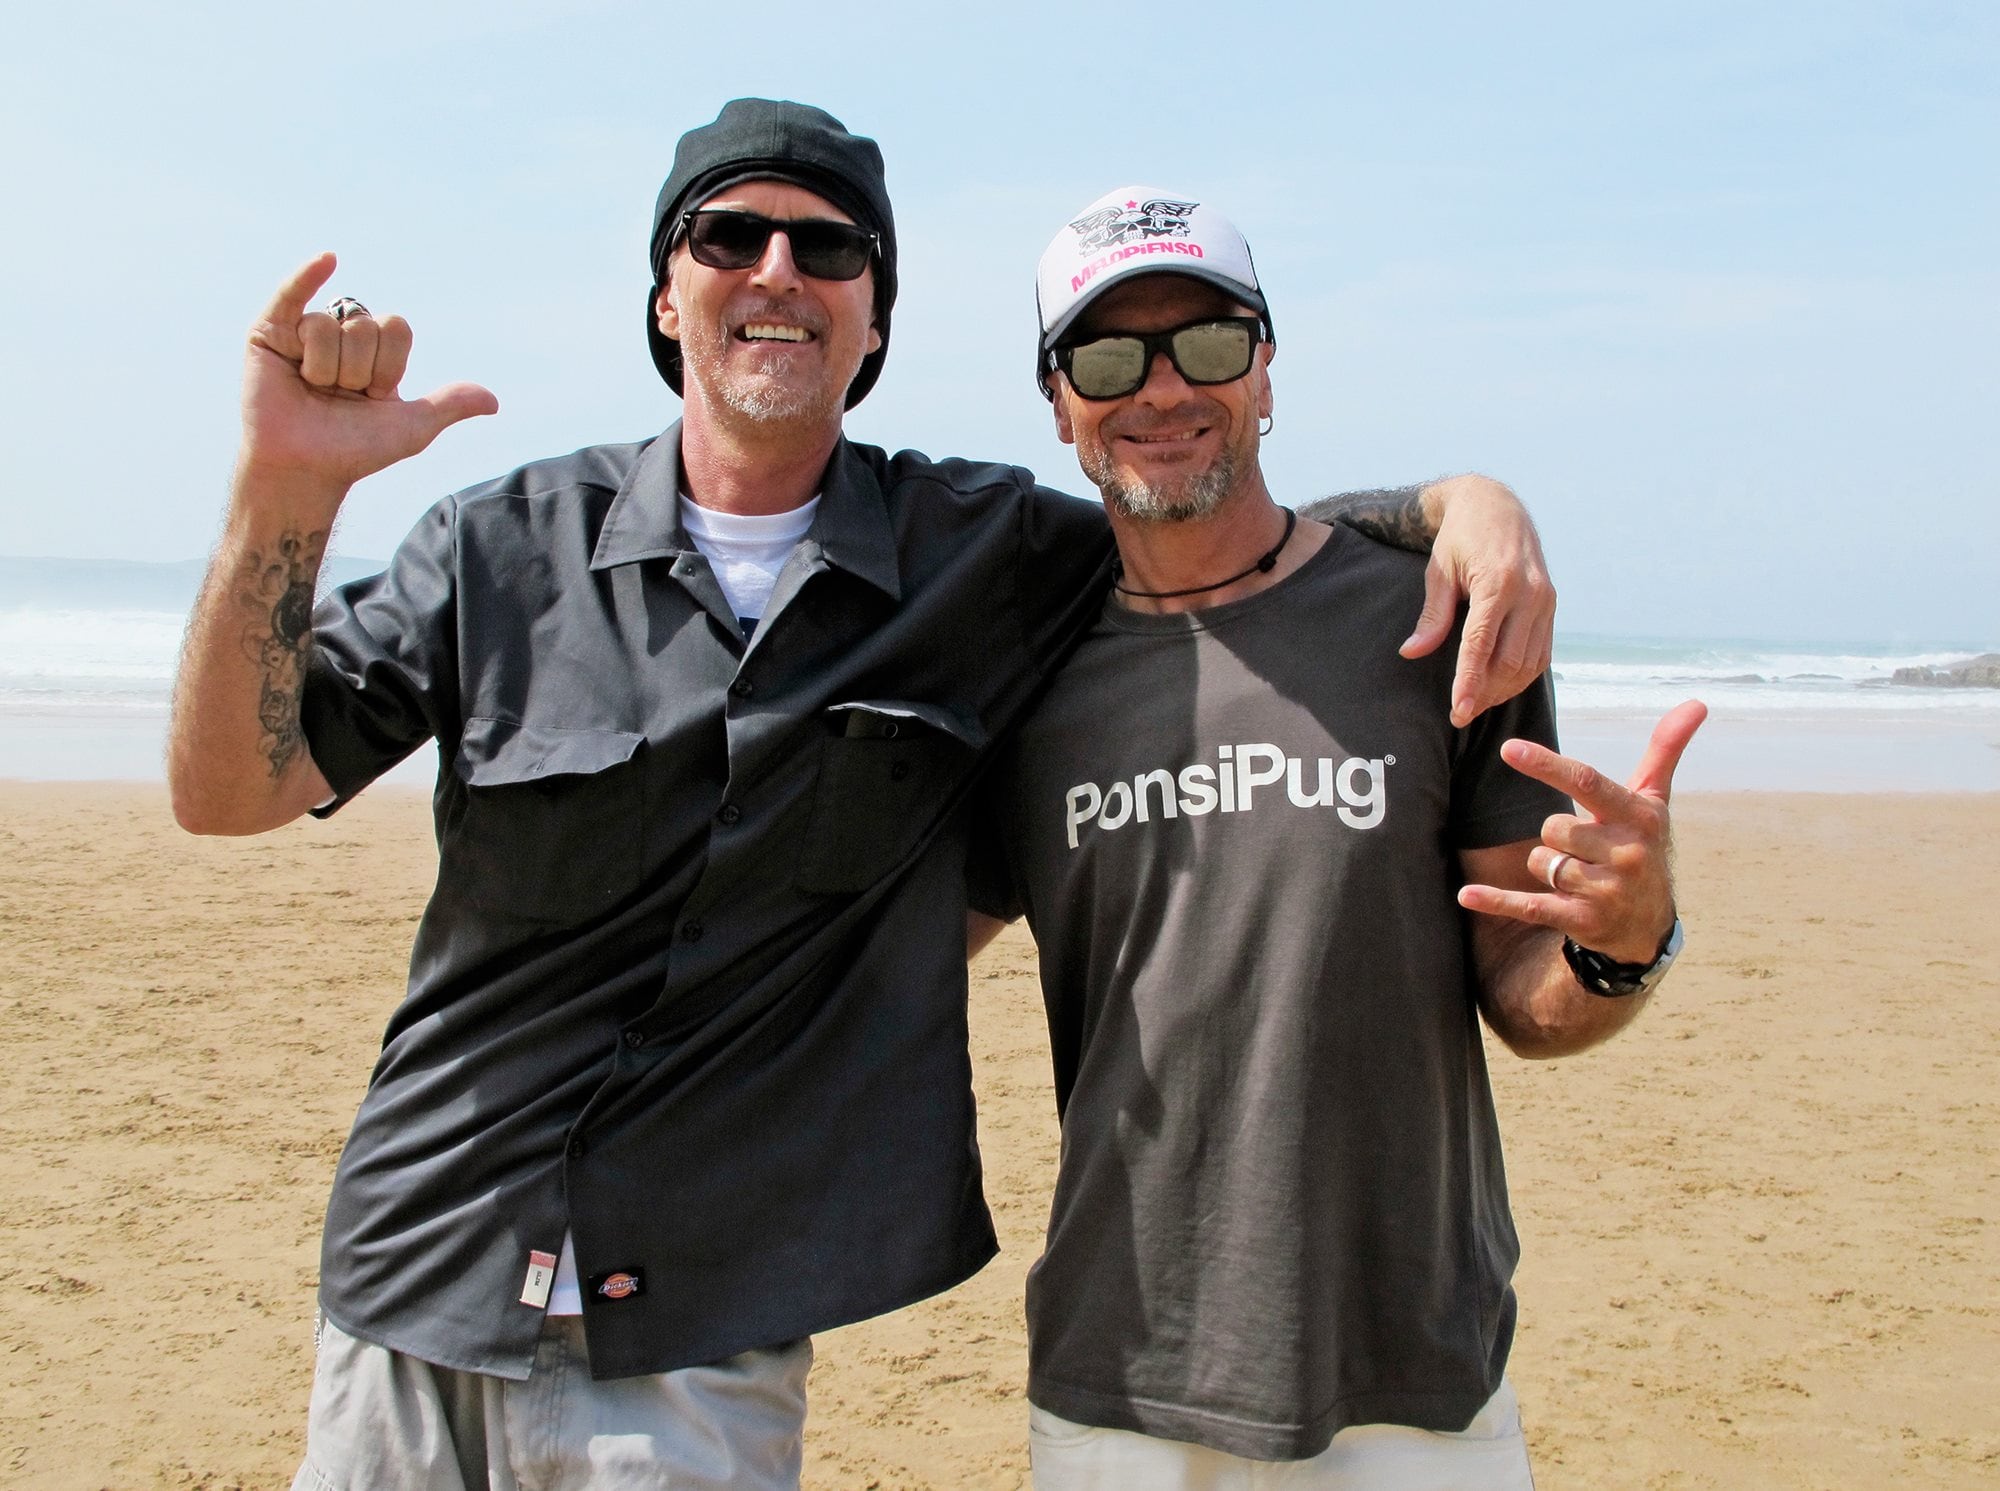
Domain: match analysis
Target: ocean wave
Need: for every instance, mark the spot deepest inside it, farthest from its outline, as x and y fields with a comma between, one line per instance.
x=87, y=650
x=83, y=657
x=1747, y=663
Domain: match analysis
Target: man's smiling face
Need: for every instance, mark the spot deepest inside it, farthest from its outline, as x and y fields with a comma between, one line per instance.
x=769, y=342
x=1169, y=450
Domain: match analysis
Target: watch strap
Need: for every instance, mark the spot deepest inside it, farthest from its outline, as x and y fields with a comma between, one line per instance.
x=1612, y=979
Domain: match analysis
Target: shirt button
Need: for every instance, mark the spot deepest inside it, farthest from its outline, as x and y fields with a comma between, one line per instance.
x=743, y=688
x=898, y=770
x=576, y=1147
x=634, y=1039
x=691, y=931
x=729, y=814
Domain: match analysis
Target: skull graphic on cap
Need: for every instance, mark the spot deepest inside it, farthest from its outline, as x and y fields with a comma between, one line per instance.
x=1108, y=227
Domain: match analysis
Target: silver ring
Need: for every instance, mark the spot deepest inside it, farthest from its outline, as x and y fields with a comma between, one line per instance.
x=346, y=309
x=1555, y=869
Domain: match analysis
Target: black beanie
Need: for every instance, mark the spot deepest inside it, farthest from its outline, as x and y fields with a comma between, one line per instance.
x=759, y=139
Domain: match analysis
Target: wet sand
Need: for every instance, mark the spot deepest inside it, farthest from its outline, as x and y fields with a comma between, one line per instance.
x=1761, y=1231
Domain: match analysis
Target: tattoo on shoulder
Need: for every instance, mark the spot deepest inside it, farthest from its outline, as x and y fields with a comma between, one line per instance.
x=275, y=591
x=1389, y=515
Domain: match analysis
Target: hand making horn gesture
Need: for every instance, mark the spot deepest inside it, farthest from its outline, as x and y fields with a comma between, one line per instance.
x=1606, y=865
x=320, y=406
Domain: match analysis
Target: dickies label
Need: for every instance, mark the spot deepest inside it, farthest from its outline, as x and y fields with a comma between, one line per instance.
x=620, y=1283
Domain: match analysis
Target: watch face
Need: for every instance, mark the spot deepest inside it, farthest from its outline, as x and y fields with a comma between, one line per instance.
x=1669, y=950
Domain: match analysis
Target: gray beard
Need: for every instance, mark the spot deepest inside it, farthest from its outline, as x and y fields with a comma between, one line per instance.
x=1196, y=496
x=777, y=402
x=765, y=402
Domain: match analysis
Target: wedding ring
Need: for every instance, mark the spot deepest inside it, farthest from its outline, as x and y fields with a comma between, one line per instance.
x=1555, y=869
x=346, y=308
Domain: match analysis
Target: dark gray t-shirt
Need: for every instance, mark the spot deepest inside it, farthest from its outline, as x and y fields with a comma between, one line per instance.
x=1281, y=1207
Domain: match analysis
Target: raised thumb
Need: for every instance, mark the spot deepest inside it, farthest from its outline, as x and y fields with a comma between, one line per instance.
x=444, y=407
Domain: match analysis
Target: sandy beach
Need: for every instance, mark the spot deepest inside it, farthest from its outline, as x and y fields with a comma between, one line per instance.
x=1761, y=1231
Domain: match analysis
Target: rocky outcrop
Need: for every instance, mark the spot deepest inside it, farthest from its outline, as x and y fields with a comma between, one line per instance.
x=1982, y=672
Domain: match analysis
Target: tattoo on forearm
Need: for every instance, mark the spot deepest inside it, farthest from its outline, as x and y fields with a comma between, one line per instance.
x=1390, y=515
x=276, y=590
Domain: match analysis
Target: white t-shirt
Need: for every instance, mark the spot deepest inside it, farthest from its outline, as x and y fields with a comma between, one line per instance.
x=566, y=1295
x=746, y=553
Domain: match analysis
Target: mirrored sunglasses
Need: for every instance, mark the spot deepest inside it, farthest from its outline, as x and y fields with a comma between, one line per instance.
x=1218, y=350
x=724, y=238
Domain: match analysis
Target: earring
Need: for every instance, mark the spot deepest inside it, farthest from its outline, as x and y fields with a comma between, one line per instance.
x=1264, y=426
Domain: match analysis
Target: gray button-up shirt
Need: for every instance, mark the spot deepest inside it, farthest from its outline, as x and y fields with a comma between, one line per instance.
x=692, y=980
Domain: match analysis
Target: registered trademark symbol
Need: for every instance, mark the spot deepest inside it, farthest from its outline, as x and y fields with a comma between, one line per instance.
x=1388, y=760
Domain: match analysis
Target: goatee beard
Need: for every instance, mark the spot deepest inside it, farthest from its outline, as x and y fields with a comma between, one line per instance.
x=1174, y=501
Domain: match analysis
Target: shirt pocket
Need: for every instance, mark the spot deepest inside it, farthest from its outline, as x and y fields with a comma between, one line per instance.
x=888, y=768
x=554, y=819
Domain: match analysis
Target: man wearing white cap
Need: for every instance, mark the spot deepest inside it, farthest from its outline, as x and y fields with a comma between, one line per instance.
x=1279, y=1251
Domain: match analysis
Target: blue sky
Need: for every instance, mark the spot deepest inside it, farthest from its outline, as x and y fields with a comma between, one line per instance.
x=1716, y=287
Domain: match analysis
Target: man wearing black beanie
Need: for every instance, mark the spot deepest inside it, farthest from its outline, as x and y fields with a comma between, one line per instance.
x=681, y=1077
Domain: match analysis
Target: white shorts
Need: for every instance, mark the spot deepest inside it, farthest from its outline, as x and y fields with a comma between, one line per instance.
x=383, y=1420
x=1489, y=1454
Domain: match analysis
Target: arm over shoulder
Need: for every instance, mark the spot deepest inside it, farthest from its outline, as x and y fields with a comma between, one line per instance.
x=1064, y=567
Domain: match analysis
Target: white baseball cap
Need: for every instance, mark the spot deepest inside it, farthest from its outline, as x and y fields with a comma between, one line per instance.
x=1139, y=230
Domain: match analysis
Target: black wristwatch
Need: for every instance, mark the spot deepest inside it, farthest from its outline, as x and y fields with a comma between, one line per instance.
x=1615, y=980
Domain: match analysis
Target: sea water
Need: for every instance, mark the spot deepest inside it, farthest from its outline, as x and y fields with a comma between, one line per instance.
x=84, y=691
x=84, y=694
x=1783, y=716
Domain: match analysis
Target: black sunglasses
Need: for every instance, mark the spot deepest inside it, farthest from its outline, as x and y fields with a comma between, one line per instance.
x=1216, y=350
x=724, y=238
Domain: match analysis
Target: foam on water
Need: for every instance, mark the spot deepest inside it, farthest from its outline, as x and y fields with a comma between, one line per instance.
x=53, y=658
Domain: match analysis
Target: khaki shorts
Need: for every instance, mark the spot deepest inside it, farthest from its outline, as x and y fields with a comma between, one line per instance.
x=382, y=1421
x=1489, y=1454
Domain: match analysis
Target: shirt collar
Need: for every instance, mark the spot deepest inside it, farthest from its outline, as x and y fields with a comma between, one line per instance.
x=644, y=520
x=851, y=529
x=852, y=525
